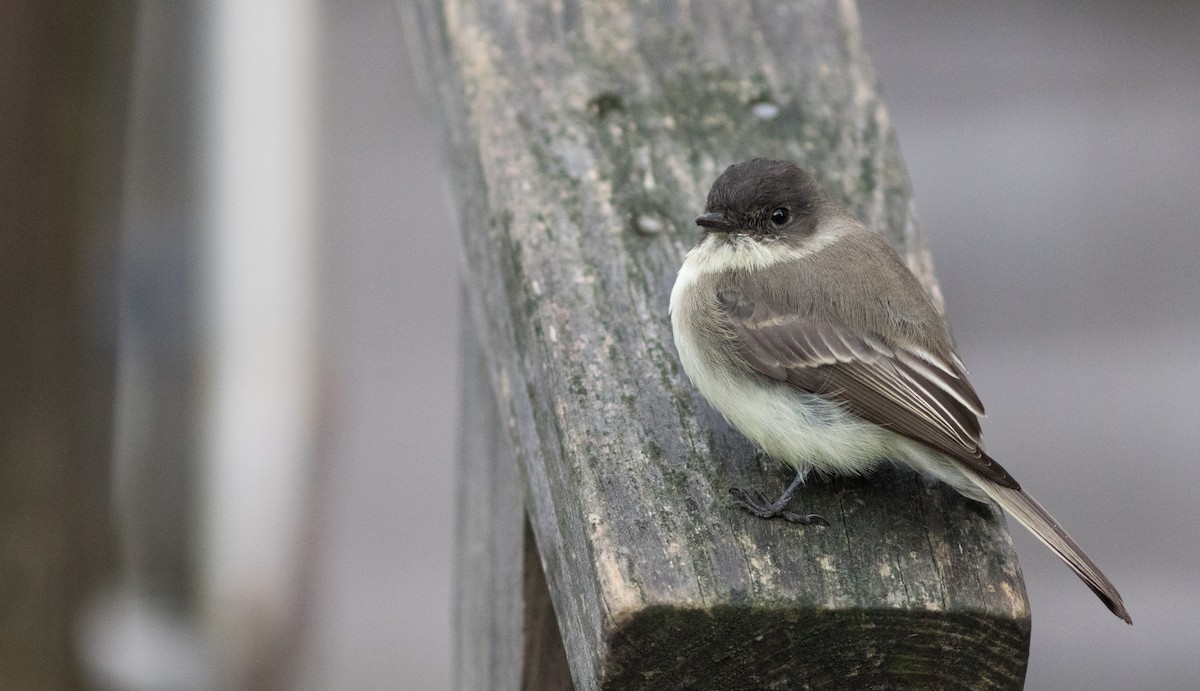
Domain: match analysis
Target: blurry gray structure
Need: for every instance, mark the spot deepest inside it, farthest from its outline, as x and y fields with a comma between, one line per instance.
x=159, y=391
x=211, y=426
x=142, y=631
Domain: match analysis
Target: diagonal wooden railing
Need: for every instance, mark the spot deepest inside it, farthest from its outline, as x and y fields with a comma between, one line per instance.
x=584, y=135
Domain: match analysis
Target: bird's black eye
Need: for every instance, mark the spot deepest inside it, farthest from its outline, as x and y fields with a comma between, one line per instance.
x=779, y=216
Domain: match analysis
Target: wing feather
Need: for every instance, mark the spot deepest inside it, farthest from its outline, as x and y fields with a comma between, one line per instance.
x=894, y=385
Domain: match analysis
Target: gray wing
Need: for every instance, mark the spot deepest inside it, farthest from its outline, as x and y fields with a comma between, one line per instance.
x=911, y=392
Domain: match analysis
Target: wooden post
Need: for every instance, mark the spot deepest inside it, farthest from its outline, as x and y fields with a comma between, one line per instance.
x=584, y=136
x=64, y=73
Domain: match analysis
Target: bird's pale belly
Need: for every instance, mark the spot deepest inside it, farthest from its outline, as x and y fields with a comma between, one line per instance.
x=803, y=430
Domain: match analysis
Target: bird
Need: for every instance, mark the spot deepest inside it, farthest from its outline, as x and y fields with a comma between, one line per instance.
x=808, y=333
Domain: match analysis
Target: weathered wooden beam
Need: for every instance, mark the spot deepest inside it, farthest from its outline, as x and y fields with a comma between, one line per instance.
x=584, y=136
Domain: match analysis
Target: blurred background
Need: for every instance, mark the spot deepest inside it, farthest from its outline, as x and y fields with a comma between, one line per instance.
x=242, y=211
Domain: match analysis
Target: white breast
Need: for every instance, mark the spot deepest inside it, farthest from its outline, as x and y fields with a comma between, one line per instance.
x=802, y=430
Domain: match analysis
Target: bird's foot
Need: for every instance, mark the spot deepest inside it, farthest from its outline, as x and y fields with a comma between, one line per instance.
x=756, y=503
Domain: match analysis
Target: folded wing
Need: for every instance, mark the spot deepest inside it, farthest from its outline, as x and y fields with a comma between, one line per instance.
x=901, y=387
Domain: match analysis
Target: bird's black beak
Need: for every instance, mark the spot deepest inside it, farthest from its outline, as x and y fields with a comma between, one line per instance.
x=715, y=221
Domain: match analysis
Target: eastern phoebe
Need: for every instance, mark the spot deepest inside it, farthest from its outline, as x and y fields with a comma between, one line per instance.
x=810, y=335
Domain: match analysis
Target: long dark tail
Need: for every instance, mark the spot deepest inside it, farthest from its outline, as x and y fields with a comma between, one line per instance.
x=1030, y=513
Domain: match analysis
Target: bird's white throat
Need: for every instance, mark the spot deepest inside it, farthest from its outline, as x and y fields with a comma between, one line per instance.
x=738, y=252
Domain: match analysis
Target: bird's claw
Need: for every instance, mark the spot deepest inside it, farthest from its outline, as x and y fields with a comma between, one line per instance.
x=756, y=502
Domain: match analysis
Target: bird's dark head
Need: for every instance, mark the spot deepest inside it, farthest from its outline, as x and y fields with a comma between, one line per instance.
x=764, y=198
